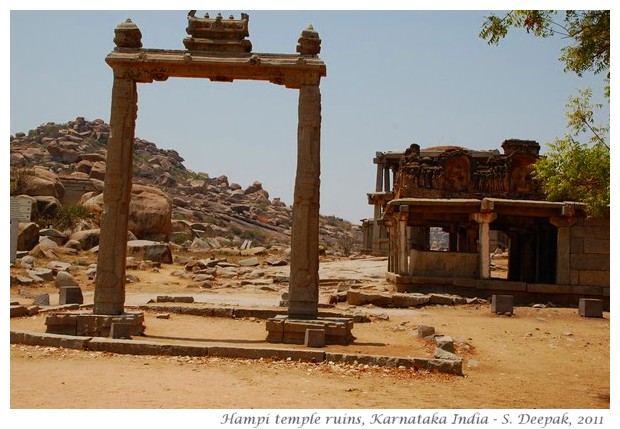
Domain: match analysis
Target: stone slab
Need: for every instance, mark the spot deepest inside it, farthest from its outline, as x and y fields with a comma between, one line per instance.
x=49, y=340
x=139, y=347
x=255, y=353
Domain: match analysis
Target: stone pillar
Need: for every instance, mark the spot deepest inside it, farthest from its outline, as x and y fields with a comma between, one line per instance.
x=403, y=245
x=379, y=161
x=484, y=256
x=562, y=267
x=386, y=179
x=389, y=229
x=304, y=278
x=110, y=280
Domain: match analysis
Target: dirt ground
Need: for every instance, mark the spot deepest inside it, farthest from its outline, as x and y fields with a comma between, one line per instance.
x=537, y=358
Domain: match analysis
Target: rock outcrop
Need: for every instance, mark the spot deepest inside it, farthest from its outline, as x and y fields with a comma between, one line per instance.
x=57, y=159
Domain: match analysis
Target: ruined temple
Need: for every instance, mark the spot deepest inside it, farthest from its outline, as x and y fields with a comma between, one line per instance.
x=482, y=201
x=456, y=172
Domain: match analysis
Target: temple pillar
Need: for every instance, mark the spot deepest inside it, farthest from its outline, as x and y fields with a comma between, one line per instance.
x=403, y=248
x=386, y=179
x=484, y=256
x=304, y=278
x=110, y=280
x=562, y=267
x=379, y=182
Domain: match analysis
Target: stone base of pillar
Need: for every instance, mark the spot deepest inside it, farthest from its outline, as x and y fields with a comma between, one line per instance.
x=93, y=325
x=282, y=329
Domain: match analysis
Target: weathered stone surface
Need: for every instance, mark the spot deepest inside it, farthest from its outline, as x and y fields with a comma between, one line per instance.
x=404, y=300
x=70, y=295
x=49, y=340
x=249, y=262
x=502, y=304
x=120, y=330
x=65, y=279
x=45, y=274
x=58, y=266
x=39, y=181
x=355, y=297
x=19, y=310
x=315, y=338
x=590, y=307
x=27, y=236
x=53, y=234
x=28, y=262
x=445, y=342
x=150, y=250
x=441, y=299
x=444, y=354
x=88, y=238
x=425, y=331
x=42, y=300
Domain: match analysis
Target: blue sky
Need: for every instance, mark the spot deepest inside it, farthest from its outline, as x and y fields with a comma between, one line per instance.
x=393, y=78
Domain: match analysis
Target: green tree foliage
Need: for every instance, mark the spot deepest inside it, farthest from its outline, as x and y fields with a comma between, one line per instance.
x=577, y=171
x=573, y=169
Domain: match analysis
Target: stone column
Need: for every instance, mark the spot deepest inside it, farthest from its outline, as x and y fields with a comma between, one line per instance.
x=403, y=247
x=387, y=187
x=389, y=229
x=484, y=256
x=110, y=280
x=304, y=278
x=379, y=182
x=562, y=267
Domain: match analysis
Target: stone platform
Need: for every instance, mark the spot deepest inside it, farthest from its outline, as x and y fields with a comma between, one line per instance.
x=93, y=325
x=282, y=329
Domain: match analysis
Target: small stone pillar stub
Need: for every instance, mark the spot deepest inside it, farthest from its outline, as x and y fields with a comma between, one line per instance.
x=590, y=307
x=501, y=304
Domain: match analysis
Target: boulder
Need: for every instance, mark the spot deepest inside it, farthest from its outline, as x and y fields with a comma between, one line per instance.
x=150, y=212
x=97, y=170
x=27, y=236
x=150, y=250
x=45, y=274
x=87, y=239
x=39, y=181
x=65, y=279
x=47, y=206
x=254, y=187
x=53, y=234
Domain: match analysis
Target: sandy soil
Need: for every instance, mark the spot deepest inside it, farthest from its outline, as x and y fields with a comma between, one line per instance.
x=537, y=358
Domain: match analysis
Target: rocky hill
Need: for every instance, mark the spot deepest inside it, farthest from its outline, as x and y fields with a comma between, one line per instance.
x=61, y=168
